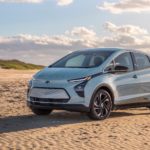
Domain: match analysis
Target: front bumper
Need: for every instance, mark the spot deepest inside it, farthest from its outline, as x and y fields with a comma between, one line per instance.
x=68, y=107
x=55, y=98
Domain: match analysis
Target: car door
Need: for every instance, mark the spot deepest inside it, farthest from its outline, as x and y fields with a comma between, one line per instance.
x=126, y=83
x=142, y=63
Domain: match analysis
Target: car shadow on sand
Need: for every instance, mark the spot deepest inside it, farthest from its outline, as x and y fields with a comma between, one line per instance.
x=26, y=122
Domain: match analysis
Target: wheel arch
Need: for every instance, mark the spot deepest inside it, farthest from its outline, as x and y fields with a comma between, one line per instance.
x=108, y=89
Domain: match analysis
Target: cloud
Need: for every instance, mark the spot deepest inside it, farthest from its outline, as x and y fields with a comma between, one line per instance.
x=83, y=31
x=45, y=49
x=64, y=2
x=87, y=36
x=122, y=6
x=124, y=29
x=21, y=1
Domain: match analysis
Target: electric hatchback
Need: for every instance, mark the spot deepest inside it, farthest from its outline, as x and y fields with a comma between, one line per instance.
x=94, y=81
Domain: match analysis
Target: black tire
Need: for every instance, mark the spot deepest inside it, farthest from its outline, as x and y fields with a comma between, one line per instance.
x=101, y=105
x=41, y=112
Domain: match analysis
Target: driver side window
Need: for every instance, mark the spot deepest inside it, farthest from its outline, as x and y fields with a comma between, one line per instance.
x=124, y=59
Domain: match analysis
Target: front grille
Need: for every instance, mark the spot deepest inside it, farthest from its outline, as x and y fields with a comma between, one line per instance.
x=47, y=100
x=47, y=94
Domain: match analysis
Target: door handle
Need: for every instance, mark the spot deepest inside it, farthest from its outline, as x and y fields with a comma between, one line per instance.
x=135, y=76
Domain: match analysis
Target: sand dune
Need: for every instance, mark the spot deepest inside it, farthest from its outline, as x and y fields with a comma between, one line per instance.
x=20, y=129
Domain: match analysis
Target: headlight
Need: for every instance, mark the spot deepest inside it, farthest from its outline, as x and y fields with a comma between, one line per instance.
x=80, y=87
x=80, y=79
x=29, y=87
x=30, y=84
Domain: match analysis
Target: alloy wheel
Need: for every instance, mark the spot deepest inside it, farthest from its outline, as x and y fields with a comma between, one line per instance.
x=101, y=105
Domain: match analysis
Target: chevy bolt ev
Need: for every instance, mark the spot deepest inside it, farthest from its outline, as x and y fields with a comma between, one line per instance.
x=94, y=81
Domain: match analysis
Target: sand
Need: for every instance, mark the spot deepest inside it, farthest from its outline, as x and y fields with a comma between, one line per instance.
x=20, y=129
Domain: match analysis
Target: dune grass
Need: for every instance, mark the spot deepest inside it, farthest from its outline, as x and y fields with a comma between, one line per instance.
x=18, y=65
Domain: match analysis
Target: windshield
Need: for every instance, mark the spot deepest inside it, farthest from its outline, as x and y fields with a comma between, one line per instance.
x=83, y=59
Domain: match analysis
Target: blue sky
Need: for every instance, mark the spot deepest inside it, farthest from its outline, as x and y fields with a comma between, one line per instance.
x=45, y=30
x=48, y=17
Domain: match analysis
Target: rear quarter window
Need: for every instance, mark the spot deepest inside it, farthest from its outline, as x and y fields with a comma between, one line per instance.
x=142, y=61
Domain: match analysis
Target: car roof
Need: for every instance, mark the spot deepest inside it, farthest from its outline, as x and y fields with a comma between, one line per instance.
x=99, y=49
x=112, y=49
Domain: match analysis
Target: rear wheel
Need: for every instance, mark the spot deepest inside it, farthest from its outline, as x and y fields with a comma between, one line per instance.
x=101, y=105
x=41, y=112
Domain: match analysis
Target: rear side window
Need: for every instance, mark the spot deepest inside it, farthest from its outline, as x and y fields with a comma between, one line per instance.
x=124, y=60
x=142, y=61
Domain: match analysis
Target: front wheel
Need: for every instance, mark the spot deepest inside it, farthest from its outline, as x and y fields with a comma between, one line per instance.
x=41, y=112
x=101, y=105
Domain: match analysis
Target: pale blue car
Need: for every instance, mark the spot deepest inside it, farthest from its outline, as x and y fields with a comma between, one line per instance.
x=94, y=81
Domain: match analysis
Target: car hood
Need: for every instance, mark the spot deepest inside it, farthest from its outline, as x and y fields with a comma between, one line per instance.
x=63, y=73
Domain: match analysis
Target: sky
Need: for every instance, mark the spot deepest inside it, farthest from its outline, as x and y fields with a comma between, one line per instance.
x=42, y=31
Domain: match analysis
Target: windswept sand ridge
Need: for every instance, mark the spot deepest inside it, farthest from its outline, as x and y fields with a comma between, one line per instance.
x=20, y=129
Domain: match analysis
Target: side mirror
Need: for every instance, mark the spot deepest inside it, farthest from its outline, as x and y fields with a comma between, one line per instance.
x=115, y=69
x=120, y=68
x=110, y=68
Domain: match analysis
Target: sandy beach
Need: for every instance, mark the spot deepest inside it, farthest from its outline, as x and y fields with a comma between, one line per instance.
x=20, y=129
